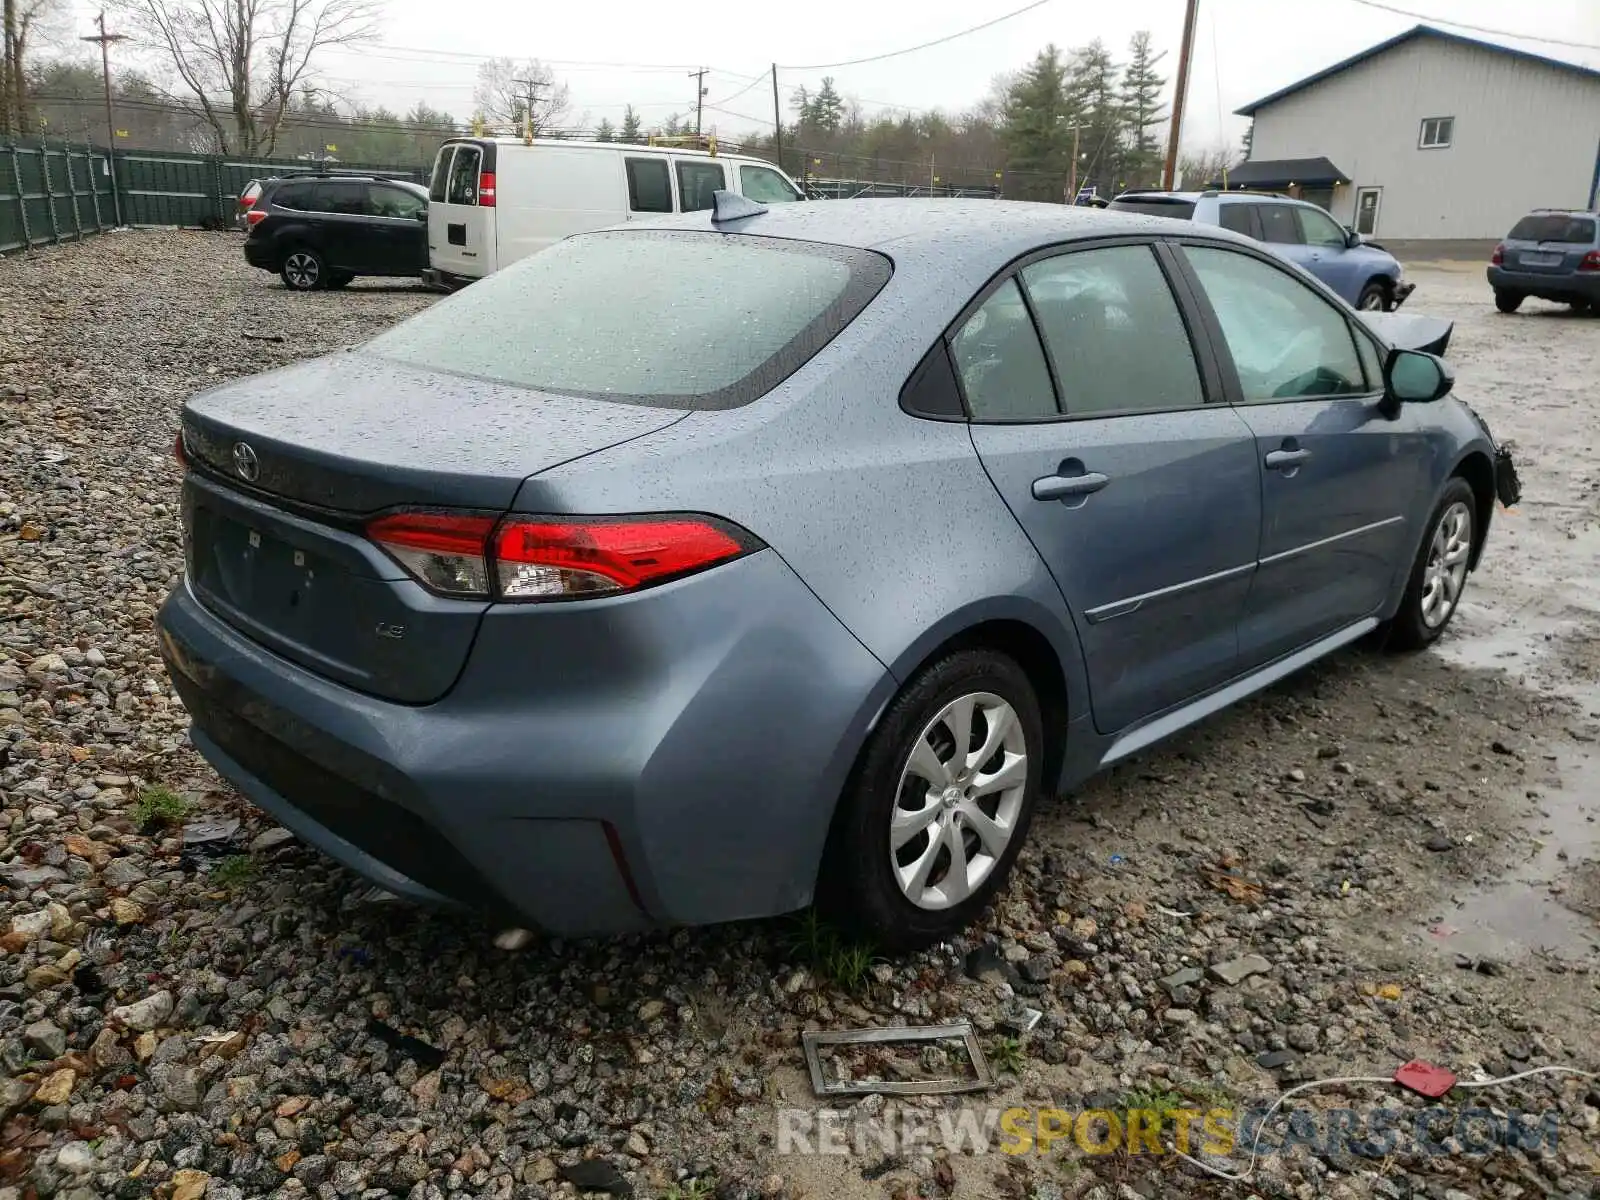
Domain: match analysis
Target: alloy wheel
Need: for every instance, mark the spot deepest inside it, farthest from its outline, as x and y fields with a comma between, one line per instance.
x=1372, y=301
x=1445, y=573
x=302, y=270
x=960, y=796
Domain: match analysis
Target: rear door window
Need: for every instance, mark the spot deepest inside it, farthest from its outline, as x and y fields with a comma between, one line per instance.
x=346, y=199
x=1555, y=227
x=649, y=185
x=1113, y=331
x=1278, y=224
x=1237, y=218
x=464, y=176
x=439, y=184
x=671, y=318
x=1001, y=364
x=396, y=202
x=697, y=181
x=765, y=186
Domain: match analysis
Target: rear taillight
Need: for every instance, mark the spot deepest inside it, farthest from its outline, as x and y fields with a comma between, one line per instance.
x=543, y=559
x=554, y=558
x=246, y=201
x=486, y=189
x=443, y=552
x=1499, y=255
x=1590, y=261
x=255, y=216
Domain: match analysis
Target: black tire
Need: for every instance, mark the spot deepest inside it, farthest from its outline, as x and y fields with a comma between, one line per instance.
x=1374, y=297
x=1412, y=628
x=1581, y=306
x=303, y=270
x=857, y=889
x=339, y=279
x=1508, y=302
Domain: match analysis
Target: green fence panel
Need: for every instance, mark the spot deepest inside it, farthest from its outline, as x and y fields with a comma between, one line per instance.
x=13, y=233
x=165, y=189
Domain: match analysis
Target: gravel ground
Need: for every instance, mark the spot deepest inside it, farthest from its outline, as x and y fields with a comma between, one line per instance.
x=192, y=1008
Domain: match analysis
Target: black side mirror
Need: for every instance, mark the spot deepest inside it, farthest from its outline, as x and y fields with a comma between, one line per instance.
x=1352, y=239
x=1413, y=377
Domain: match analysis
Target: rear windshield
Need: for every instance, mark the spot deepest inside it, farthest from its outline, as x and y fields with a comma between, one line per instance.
x=1555, y=227
x=673, y=319
x=1154, y=206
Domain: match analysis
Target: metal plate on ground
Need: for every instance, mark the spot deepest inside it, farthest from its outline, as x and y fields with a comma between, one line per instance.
x=814, y=1041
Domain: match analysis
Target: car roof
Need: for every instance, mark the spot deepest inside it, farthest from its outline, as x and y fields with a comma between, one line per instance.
x=944, y=245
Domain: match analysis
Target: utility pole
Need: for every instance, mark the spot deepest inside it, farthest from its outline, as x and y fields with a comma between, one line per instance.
x=1072, y=186
x=777, y=120
x=699, y=78
x=1185, y=52
x=527, y=117
x=105, y=39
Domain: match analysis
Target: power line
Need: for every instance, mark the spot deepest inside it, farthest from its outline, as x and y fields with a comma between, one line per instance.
x=855, y=62
x=1507, y=33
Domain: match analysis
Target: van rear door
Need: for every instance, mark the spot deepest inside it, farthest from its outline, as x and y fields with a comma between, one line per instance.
x=461, y=213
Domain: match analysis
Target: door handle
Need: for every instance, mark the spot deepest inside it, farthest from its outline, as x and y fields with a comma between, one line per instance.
x=1064, y=487
x=1279, y=460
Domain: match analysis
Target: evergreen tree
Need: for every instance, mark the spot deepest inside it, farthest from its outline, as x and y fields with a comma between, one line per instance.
x=827, y=110
x=632, y=130
x=1142, y=111
x=1092, y=96
x=1033, y=120
x=605, y=132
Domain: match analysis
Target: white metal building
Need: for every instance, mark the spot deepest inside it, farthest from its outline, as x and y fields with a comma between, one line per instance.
x=1432, y=135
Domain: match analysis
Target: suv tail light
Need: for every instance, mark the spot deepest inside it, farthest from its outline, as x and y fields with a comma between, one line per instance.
x=486, y=189
x=554, y=558
x=255, y=216
x=1590, y=261
x=1499, y=255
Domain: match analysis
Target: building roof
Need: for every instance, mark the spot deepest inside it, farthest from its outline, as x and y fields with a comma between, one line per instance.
x=1417, y=31
x=1281, y=172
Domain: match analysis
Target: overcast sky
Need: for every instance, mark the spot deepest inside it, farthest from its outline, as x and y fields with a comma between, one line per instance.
x=639, y=51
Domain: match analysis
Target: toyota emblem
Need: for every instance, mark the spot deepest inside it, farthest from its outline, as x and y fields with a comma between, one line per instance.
x=245, y=462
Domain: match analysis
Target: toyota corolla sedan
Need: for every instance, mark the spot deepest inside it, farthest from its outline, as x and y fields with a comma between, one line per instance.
x=706, y=570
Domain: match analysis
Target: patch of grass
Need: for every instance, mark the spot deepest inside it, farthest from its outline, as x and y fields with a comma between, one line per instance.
x=1007, y=1054
x=234, y=871
x=691, y=1189
x=159, y=806
x=1152, y=1099
x=829, y=957
x=1207, y=1093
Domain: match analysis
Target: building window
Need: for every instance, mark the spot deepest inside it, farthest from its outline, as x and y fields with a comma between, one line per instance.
x=1436, y=132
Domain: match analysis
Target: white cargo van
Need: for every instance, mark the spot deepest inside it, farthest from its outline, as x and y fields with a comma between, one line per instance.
x=494, y=200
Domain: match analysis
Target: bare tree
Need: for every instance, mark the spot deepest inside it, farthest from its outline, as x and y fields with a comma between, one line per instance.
x=1197, y=168
x=24, y=22
x=240, y=63
x=501, y=95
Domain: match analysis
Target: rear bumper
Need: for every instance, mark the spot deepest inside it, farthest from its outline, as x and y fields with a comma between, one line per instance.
x=444, y=281
x=1579, y=285
x=668, y=758
x=259, y=254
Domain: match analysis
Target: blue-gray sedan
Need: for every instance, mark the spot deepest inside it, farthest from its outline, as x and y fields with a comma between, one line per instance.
x=704, y=569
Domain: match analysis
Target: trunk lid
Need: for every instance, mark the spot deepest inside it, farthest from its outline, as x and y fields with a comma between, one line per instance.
x=273, y=533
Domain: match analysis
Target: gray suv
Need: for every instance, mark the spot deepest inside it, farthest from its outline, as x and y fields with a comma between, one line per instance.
x=1363, y=273
x=1552, y=253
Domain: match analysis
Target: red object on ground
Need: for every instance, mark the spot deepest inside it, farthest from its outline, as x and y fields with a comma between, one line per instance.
x=1425, y=1079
